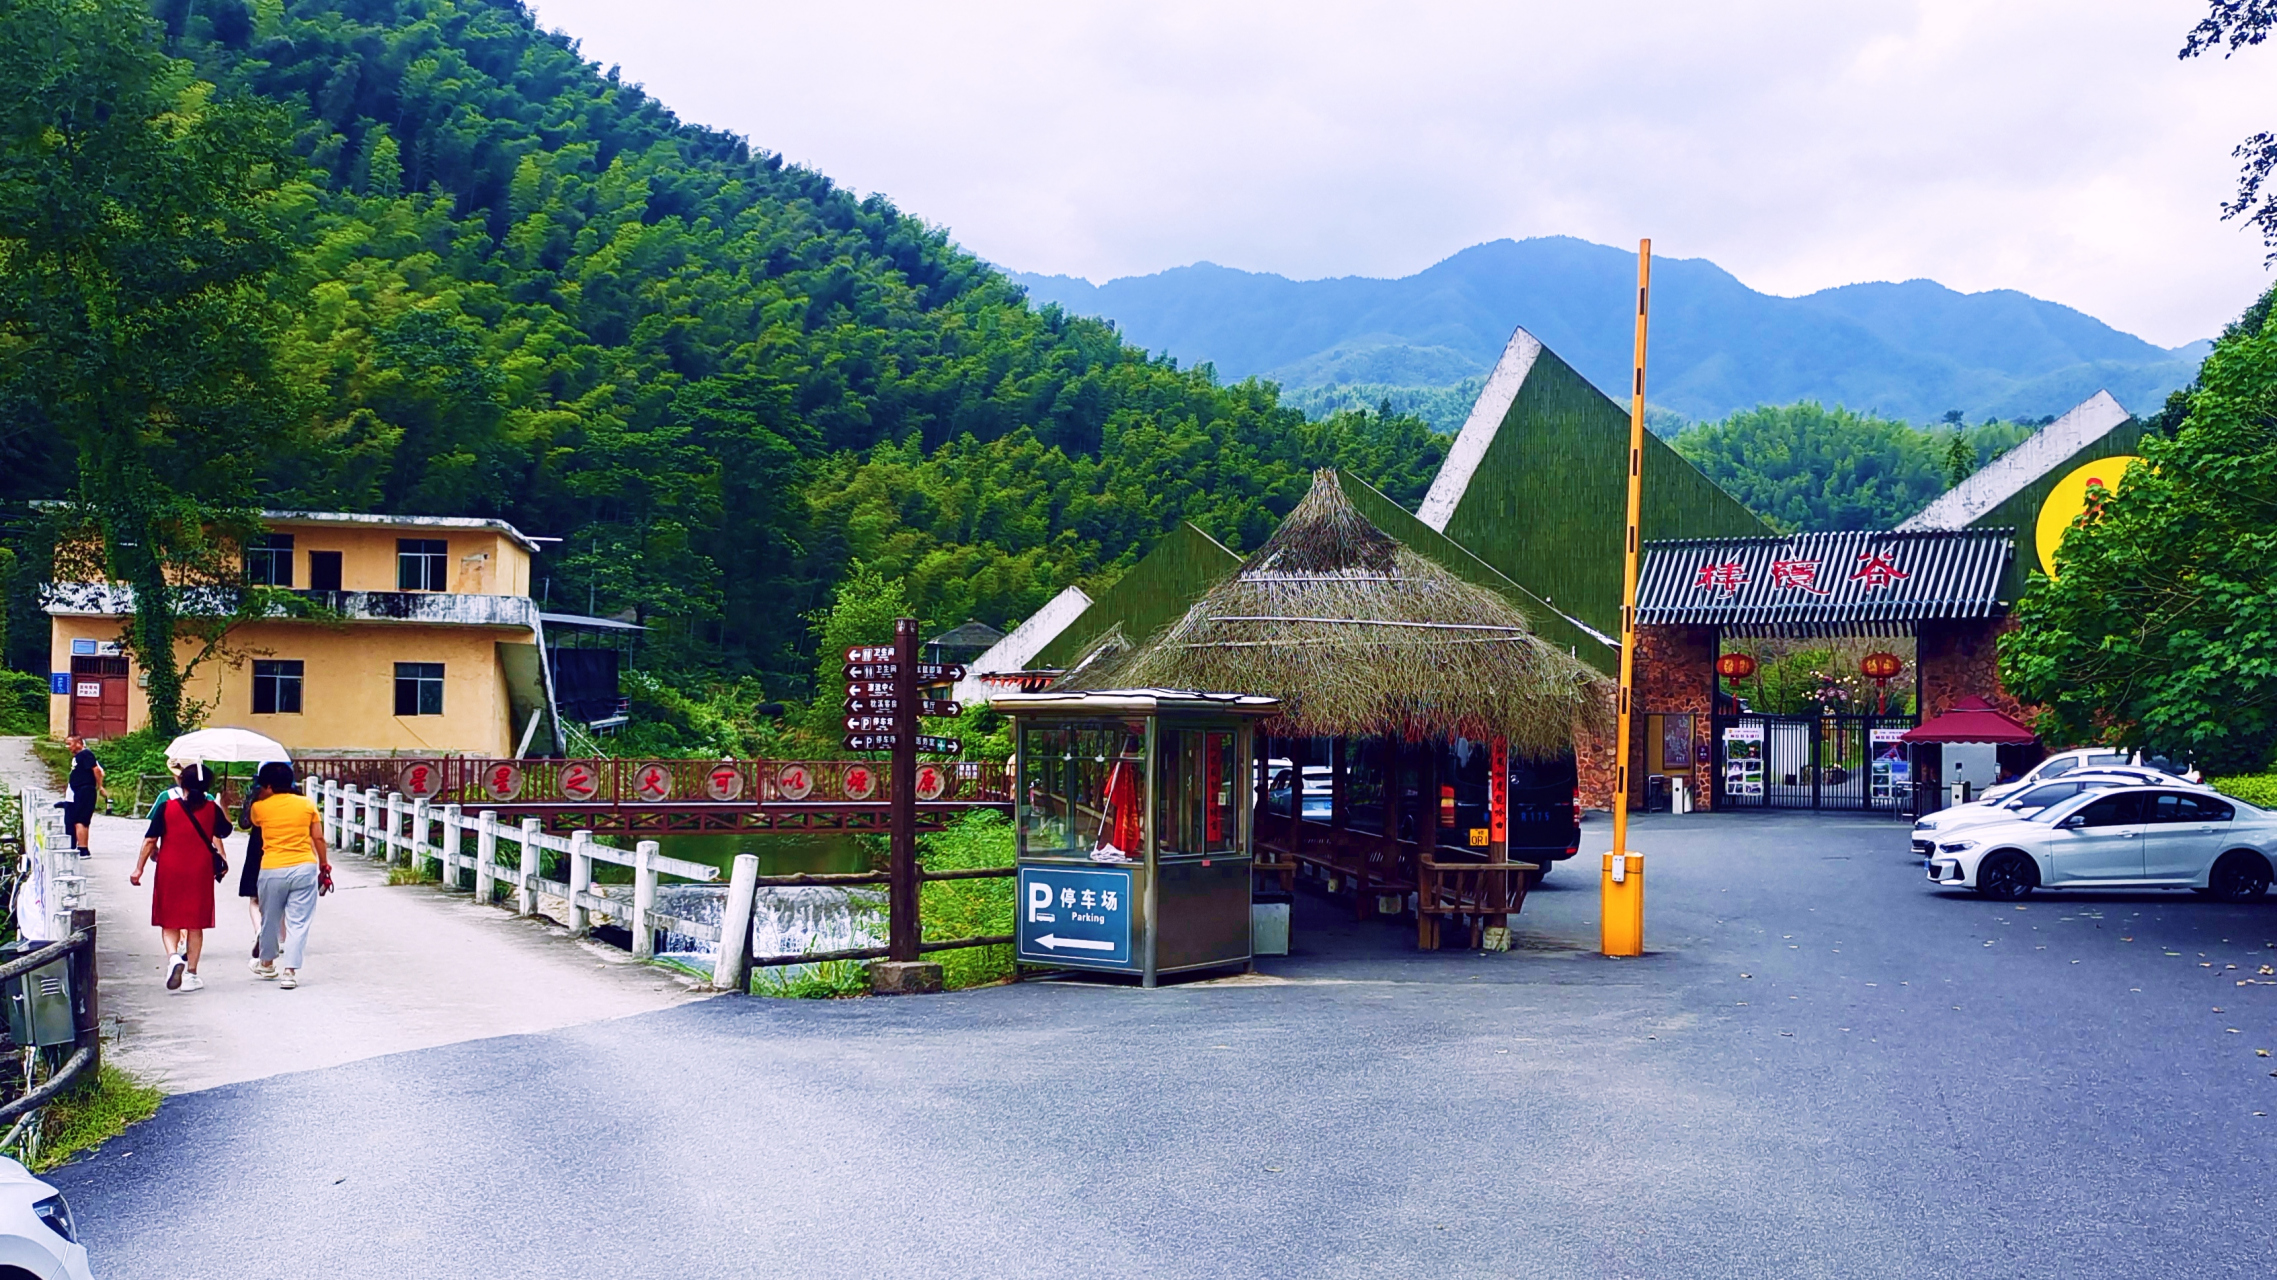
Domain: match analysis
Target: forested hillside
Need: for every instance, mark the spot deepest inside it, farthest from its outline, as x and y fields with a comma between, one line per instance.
x=522, y=288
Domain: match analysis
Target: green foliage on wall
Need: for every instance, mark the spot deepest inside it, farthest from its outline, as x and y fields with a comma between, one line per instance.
x=1548, y=503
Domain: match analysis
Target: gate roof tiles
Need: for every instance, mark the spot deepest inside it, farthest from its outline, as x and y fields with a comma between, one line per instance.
x=1813, y=583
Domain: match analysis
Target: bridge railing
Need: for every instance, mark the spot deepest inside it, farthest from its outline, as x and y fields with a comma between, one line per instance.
x=471, y=781
x=460, y=845
x=384, y=824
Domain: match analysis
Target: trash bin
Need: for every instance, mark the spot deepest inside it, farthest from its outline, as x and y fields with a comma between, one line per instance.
x=1269, y=922
x=1656, y=793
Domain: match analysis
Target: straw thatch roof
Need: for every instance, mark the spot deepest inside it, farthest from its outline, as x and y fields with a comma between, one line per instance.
x=1359, y=635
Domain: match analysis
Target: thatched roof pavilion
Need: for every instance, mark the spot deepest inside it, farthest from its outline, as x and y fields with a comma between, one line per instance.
x=1360, y=636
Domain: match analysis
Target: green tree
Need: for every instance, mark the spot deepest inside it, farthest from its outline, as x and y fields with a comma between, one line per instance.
x=1960, y=460
x=138, y=238
x=2160, y=630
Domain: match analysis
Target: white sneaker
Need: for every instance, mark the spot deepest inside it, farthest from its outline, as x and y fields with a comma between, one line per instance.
x=175, y=965
x=192, y=982
x=264, y=969
x=287, y=980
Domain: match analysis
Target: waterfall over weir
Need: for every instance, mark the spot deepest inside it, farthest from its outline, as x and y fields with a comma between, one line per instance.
x=785, y=920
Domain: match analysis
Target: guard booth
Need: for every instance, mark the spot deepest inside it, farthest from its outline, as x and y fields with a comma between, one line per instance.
x=1134, y=827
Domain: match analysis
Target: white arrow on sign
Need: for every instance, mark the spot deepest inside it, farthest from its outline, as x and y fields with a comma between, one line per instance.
x=1049, y=941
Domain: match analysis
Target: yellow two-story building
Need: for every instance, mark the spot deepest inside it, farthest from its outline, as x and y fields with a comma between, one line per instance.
x=432, y=643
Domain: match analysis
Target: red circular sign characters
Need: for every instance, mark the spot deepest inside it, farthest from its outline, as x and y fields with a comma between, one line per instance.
x=932, y=782
x=860, y=781
x=580, y=780
x=794, y=781
x=502, y=781
x=652, y=782
x=420, y=779
x=724, y=782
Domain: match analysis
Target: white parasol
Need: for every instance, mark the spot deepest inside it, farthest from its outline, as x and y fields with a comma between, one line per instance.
x=226, y=746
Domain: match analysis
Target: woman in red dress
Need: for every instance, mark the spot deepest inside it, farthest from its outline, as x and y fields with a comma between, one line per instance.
x=185, y=834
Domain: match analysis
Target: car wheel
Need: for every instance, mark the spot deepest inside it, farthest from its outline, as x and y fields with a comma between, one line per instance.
x=2240, y=876
x=1534, y=877
x=2007, y=876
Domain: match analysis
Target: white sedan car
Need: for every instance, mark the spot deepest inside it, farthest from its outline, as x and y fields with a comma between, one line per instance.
x=37, y=1237
x=1944, y=822
x=2131, y=838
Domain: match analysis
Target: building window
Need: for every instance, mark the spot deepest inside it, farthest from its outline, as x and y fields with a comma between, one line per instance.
x=269, y=561
x=324, y=571
x=276, y=688
x=418, y=688
x=421, y=564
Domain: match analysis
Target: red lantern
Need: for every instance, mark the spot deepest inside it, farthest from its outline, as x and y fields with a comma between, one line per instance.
x=1735, y=667
x=1880, y=667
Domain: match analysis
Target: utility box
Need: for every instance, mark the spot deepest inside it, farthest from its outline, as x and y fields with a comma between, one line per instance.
x=1134, y=816
x=39, y=1002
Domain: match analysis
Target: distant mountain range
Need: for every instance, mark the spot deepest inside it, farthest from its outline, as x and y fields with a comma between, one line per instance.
x=1914, y=350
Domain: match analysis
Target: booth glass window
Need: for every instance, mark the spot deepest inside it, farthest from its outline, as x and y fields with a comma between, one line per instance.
x=1195, y=779
x=1081, y=788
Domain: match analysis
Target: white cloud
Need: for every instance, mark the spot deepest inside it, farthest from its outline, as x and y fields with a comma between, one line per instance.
x=2058, y=148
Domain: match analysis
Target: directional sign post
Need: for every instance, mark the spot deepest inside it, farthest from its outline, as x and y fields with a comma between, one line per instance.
x=902, y=929
x=1075, y=916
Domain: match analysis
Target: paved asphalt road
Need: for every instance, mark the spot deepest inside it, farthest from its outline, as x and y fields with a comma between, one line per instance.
x=1826, y=1068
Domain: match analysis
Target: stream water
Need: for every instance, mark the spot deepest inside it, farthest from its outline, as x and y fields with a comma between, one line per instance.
x=786, y=920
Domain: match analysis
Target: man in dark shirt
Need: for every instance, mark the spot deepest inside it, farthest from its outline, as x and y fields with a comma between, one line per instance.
x=86, y=785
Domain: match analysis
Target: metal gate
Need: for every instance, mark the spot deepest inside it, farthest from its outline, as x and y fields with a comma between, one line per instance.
x=1830, y=761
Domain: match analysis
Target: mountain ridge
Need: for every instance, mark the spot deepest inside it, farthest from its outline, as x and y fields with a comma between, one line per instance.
x=1911, y=349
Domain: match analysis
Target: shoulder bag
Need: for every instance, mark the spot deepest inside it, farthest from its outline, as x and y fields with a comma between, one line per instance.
x=220, y=863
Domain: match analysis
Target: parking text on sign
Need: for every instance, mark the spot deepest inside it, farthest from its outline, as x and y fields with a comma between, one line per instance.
x=1075, y=915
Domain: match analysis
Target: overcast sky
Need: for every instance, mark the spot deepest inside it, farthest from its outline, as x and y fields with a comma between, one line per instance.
x=2052, y=146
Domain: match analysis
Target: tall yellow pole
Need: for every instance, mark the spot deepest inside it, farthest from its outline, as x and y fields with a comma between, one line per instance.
x=1620, y=886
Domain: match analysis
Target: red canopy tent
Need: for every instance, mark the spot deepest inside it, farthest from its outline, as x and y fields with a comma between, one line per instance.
x=1972, y=719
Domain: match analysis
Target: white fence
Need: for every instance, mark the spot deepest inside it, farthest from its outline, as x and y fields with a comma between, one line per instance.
x=384, y=826
x=49, y=882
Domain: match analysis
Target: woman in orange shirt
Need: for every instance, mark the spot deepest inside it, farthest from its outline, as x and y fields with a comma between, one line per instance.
x=294, y=871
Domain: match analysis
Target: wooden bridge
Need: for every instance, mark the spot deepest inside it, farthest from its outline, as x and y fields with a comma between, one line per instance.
x=678, y=797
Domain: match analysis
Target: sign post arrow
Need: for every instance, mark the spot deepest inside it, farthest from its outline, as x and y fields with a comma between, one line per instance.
x=1054, y=942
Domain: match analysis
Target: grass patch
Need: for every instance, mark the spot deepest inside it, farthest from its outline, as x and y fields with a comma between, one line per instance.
x=425, y=872
x=968, y=908
x=87, y=1118
x=829, y=980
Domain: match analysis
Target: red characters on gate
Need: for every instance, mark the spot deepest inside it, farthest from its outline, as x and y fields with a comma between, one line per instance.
x=1727, y=577
x=1797, y=575
x=1876, y=571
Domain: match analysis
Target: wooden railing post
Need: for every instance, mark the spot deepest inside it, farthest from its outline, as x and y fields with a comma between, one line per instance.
x=416, y=849
x=644, y=899
x=526, y=896
x=580, y=879
x=486, y=856
x=324, y=813
x=394, y=833
x=731, y=967
x=451, y=844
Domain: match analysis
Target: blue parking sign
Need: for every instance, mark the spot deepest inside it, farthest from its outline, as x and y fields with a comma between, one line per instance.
x=1075, y=915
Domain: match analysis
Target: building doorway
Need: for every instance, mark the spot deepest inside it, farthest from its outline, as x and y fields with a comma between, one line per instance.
x=99, y=697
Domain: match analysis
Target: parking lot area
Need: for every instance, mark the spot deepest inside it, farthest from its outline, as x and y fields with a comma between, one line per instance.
x=1824, y=1066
